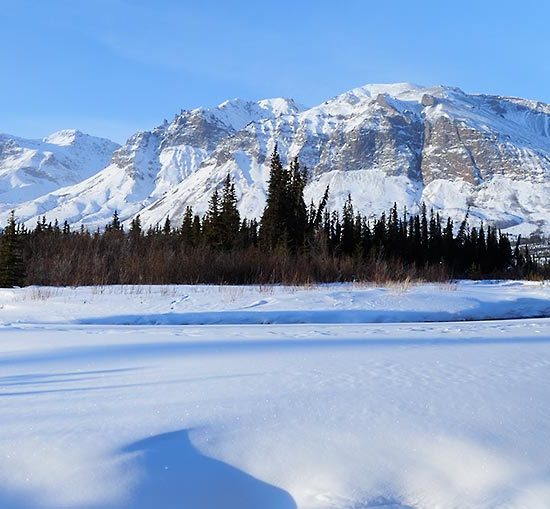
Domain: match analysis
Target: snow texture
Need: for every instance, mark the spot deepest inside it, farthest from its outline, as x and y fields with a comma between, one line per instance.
x=346, y=399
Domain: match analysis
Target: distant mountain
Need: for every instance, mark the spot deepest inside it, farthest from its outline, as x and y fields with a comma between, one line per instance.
x=32, y=168
x=381, y=143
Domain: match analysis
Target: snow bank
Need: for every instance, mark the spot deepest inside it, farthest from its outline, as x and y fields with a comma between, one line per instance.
x=248, y=305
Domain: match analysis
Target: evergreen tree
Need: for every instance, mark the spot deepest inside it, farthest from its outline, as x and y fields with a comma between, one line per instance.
x=115, y=225
x=504, y=252
x=416, y=241
x=12, y=267
x=366, y=238
x=196, y=231
x=424, y=228
x=296, y=221
x=135, y=228
x=229, y=218
x=393, y=243
x=284, y=222
x=335, y=230
x=448, y=251
x=379, y=234
x=492, y=253
x=211, y=223
x=273, y=225
x=348, y=227
x=167, y=228
x=317, y=217
x=187, y=226
x=518, y=256
x=481, y=246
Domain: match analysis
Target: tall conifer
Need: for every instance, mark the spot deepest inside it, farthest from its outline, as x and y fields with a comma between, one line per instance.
x=12, y=268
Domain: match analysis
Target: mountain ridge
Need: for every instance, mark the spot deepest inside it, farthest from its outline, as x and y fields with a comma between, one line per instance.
x=30, y=168
x=382, y=143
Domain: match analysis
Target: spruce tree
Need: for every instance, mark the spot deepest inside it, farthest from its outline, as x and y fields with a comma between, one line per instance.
x=348, y=227
x=393, y=241
x=424, y=227
x=229, y=218
x=187, y=226
x=296, y=221
x=273, y=231
x=380, y=233
x=504, y=251
x=284, y=221
x=448, y=242
x=167, y=228
x=12, y=268
x=135, y=227
x=115, y=224
x=196, y=231
x=211, y=223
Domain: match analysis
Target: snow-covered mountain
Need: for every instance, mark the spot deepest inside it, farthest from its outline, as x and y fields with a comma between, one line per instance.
x=32, y=168
x=381, y=143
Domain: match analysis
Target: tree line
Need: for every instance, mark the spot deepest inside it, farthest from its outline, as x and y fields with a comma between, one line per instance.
x=291, y=243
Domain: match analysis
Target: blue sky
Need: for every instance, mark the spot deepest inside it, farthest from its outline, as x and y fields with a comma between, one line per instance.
x=111, y=67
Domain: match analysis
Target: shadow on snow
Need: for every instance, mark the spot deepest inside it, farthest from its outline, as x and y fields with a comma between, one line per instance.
x=482, y=311
x=174, y=475
x=177, y=476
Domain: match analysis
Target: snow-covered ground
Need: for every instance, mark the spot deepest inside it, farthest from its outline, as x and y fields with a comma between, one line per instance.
x=336, y=396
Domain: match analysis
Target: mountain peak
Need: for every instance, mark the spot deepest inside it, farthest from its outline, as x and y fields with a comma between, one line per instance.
x=391, y=88
x=402, y=91
x=237, y=113
x=64, y=137
x=281, y=106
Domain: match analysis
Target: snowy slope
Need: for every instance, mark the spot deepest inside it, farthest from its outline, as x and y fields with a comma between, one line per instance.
x=383, y=143
x=386, y=143
x=31, y=168
x=312, y=416
x=151, y=164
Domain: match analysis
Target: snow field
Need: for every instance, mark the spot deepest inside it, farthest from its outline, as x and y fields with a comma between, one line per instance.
x=398, y=413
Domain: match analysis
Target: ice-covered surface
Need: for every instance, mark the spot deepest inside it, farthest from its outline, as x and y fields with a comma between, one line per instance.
x=328, y=413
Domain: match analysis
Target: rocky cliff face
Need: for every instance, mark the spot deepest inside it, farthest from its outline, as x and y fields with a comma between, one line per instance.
x=381, y=143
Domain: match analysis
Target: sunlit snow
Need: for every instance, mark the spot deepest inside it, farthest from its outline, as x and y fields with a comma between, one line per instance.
x=332, y=396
